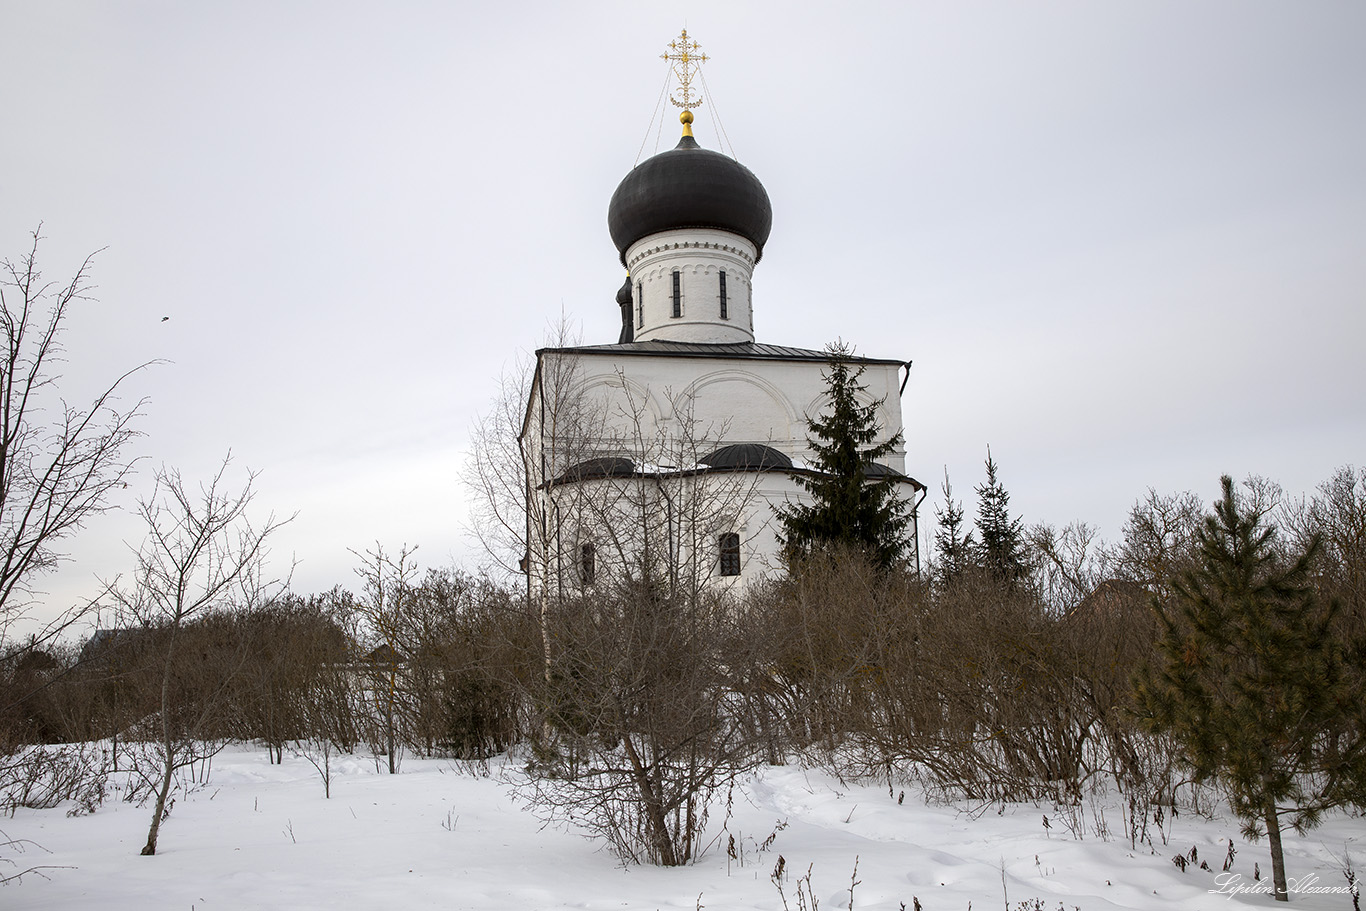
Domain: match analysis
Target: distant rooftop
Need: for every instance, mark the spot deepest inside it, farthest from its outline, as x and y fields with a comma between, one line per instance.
x=754, y=350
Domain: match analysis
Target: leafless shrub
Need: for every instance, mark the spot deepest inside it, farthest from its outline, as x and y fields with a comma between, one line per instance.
x=823, y=641
x=642, y=721
x=1158, y=540
x=44, y=777
x=981, y=695
x=292, y=648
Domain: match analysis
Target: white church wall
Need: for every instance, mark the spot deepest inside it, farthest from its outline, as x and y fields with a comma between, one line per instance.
x=665, y=412
x=674, y=525
x=665, y=527
x=736, y=400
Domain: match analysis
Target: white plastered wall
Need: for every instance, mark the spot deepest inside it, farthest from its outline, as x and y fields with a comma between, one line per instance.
x=736, y=400
x=730, y=400
x=698, y=255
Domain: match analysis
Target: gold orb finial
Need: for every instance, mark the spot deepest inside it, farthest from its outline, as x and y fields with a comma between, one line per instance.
x=685, y=118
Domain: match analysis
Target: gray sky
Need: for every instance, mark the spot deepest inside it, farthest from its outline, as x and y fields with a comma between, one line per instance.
x=1124, y=242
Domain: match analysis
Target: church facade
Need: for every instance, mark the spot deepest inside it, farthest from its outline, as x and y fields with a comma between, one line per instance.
x=665, y=456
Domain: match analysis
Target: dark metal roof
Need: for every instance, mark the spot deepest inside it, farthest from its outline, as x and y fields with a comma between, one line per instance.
x=878, y=470
x=748, y=456
x=593, y=469
x=625, y=469
x=755, y=350
x=689, y=187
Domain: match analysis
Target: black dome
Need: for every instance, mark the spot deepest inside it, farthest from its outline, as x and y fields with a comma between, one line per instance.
x=689, y=187
x=597, y=469
x=754, y=456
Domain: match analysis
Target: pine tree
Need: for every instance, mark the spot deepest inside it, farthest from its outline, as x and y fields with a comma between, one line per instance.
x=952, y=547
x=1253, y=684
x=849, y=505
x=1000, y=546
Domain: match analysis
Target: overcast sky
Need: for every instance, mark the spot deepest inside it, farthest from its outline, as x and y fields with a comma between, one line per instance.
x=1124, y=242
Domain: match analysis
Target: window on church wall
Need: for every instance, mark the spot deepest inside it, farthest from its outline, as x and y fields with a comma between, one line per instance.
x=729, y=546
x=588, y=569
x=640, y=305
x=678, y=294
x=724, y=314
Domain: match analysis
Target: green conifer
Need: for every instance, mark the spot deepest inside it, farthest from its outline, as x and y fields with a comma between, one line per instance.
x=849, y=505
x=953, y=548
x=1251, y=681
x=1000, y=544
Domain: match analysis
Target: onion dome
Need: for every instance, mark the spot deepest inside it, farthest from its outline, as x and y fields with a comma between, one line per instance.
x=689, y=187
x=624, y=293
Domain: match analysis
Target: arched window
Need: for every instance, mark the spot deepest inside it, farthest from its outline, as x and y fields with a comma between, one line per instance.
x=678, y=295
x=724, y=313
x=588, y=569
x=640, y=306
x=729, y=545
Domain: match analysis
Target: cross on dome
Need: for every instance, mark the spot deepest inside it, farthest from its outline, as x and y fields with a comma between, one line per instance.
x=685, y=61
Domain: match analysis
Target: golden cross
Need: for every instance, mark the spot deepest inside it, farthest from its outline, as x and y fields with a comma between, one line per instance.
x=685, y=60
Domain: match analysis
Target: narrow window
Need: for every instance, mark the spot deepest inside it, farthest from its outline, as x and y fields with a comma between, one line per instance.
x=640, y=306
x=724, y=314
x=730, y=553
x=588, y=570
x=678, y=296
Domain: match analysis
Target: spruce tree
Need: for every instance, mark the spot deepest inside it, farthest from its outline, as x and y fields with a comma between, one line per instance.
x=953, y=548
x=849, y=505
x=1252, y=683
x=1000, y=545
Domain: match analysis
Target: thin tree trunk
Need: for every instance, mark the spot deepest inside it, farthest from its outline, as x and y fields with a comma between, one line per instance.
x=168, y=750
x=389, y=736
x=655, y=820
x=162, y=794
x=1273, y=837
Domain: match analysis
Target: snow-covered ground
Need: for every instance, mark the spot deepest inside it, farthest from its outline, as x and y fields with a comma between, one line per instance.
x=440, y=836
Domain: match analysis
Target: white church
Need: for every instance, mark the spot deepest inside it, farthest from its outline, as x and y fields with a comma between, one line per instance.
x=664, y=456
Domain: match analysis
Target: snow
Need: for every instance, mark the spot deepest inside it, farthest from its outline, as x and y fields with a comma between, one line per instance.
x=443, y=834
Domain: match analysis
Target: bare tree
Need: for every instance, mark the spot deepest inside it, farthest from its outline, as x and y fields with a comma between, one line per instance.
x=389, y=586
x=621, y=523
x=1336, y=513
x=59, y=464
x=1159, y=539
x=201, y=552
x=640, y=646
x=540, y=423
x=495, y=474
x=1067, y=564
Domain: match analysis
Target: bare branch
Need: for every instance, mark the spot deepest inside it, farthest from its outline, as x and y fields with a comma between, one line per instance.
x=59, y=464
